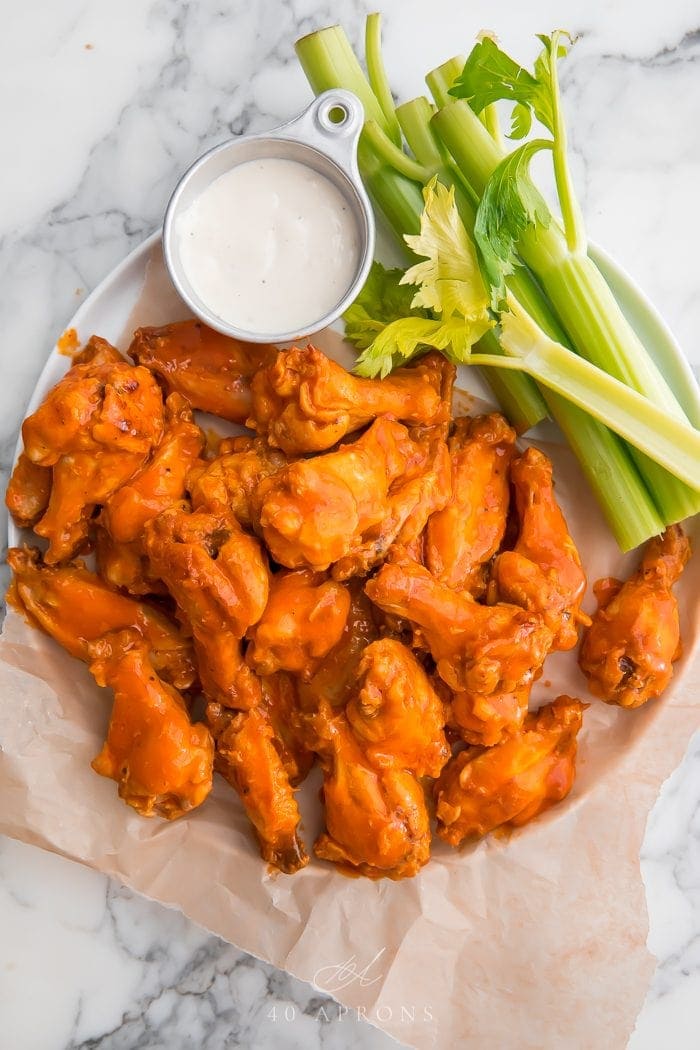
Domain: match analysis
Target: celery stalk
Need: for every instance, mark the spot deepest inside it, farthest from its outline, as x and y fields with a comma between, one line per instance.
x=377, y=75
x=329, y=61
x=440, y=80
x=594, y=322
x=665, y=439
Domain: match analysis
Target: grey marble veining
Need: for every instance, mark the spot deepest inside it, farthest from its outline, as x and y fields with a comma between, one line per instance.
x=103, y=106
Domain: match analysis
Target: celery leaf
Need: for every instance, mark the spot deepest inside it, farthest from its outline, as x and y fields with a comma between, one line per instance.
x=450, y=286
x=383, y=299
x=490, y=75
x=511, y=203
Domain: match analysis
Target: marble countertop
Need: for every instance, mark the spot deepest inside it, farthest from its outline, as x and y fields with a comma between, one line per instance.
x=104, y=105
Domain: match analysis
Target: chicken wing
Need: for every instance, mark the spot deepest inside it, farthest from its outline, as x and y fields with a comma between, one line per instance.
x=102, y=402
x=543, y=573
x=509, y=784
x=28, y=492
x=248, y=758
x=422, y=490
x=230, y=482
x=461, y=539
x=96, y=428
x=305, y=402
x=395, y=713
x=303, y=619
x=628, y=652
x=76, y=607
x=290, y=727
x=161, y=483
x=486, y=720
x=211, y=370
x=162, y=762
x=335, y=677
x=376, y=817
x=219, y=578
x=316, y=511
x=478, y=648
x=124, y=565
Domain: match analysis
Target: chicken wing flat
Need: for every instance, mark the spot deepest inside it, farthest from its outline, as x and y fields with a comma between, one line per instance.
x=316, y=511
x=376, y=817
x=95, y=428
x=290, y=727
x=219, y=578
x=395, y=713
x=461, y=539
x=211, y=370
x=161, y=483
x=230, y=482
x=28, y=492
x=76, y=607
x=303, y=619
x=543, y=573
x=628, y=652
x=509, y=784
x=162, y=762
x=478, y=648
x=248, y=758
x=305, y=402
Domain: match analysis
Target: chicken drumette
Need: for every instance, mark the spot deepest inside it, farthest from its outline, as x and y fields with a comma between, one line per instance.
x=303, y=619
x=76, y=607
x=394, y=712
x=230, y=482
x=219, y=578
x=162, y=762
x=479, y=648
x=628, y=652
x=462, y=538
x=509, y=784
x=354, y=503
x=261, y=766
x=211, y=370
x=376, y=816
x=305, y=402
x=543, y=572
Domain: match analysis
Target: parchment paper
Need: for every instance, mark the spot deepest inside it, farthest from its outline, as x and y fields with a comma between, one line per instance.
x=537, y=942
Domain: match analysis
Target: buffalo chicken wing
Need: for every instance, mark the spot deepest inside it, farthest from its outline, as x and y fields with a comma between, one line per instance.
x=305, y=402
x=162, y=762
x=76, y=608
x=543, y=572
x=628, y=652
x=211, y=370
x=461, y=539
x=509, y=784
x=219, y=578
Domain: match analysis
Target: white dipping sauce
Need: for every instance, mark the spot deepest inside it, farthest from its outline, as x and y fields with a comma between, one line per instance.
x=270, y=246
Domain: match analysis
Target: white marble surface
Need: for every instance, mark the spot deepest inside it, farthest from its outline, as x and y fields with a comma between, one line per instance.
x=103, y=104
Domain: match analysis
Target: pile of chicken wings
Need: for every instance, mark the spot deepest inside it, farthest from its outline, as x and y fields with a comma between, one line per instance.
x=360, y=581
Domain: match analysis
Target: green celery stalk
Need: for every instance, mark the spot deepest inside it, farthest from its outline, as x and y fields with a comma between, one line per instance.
x=594, y=322
x=440, y=80
x=667, y=440
x=378, y=79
